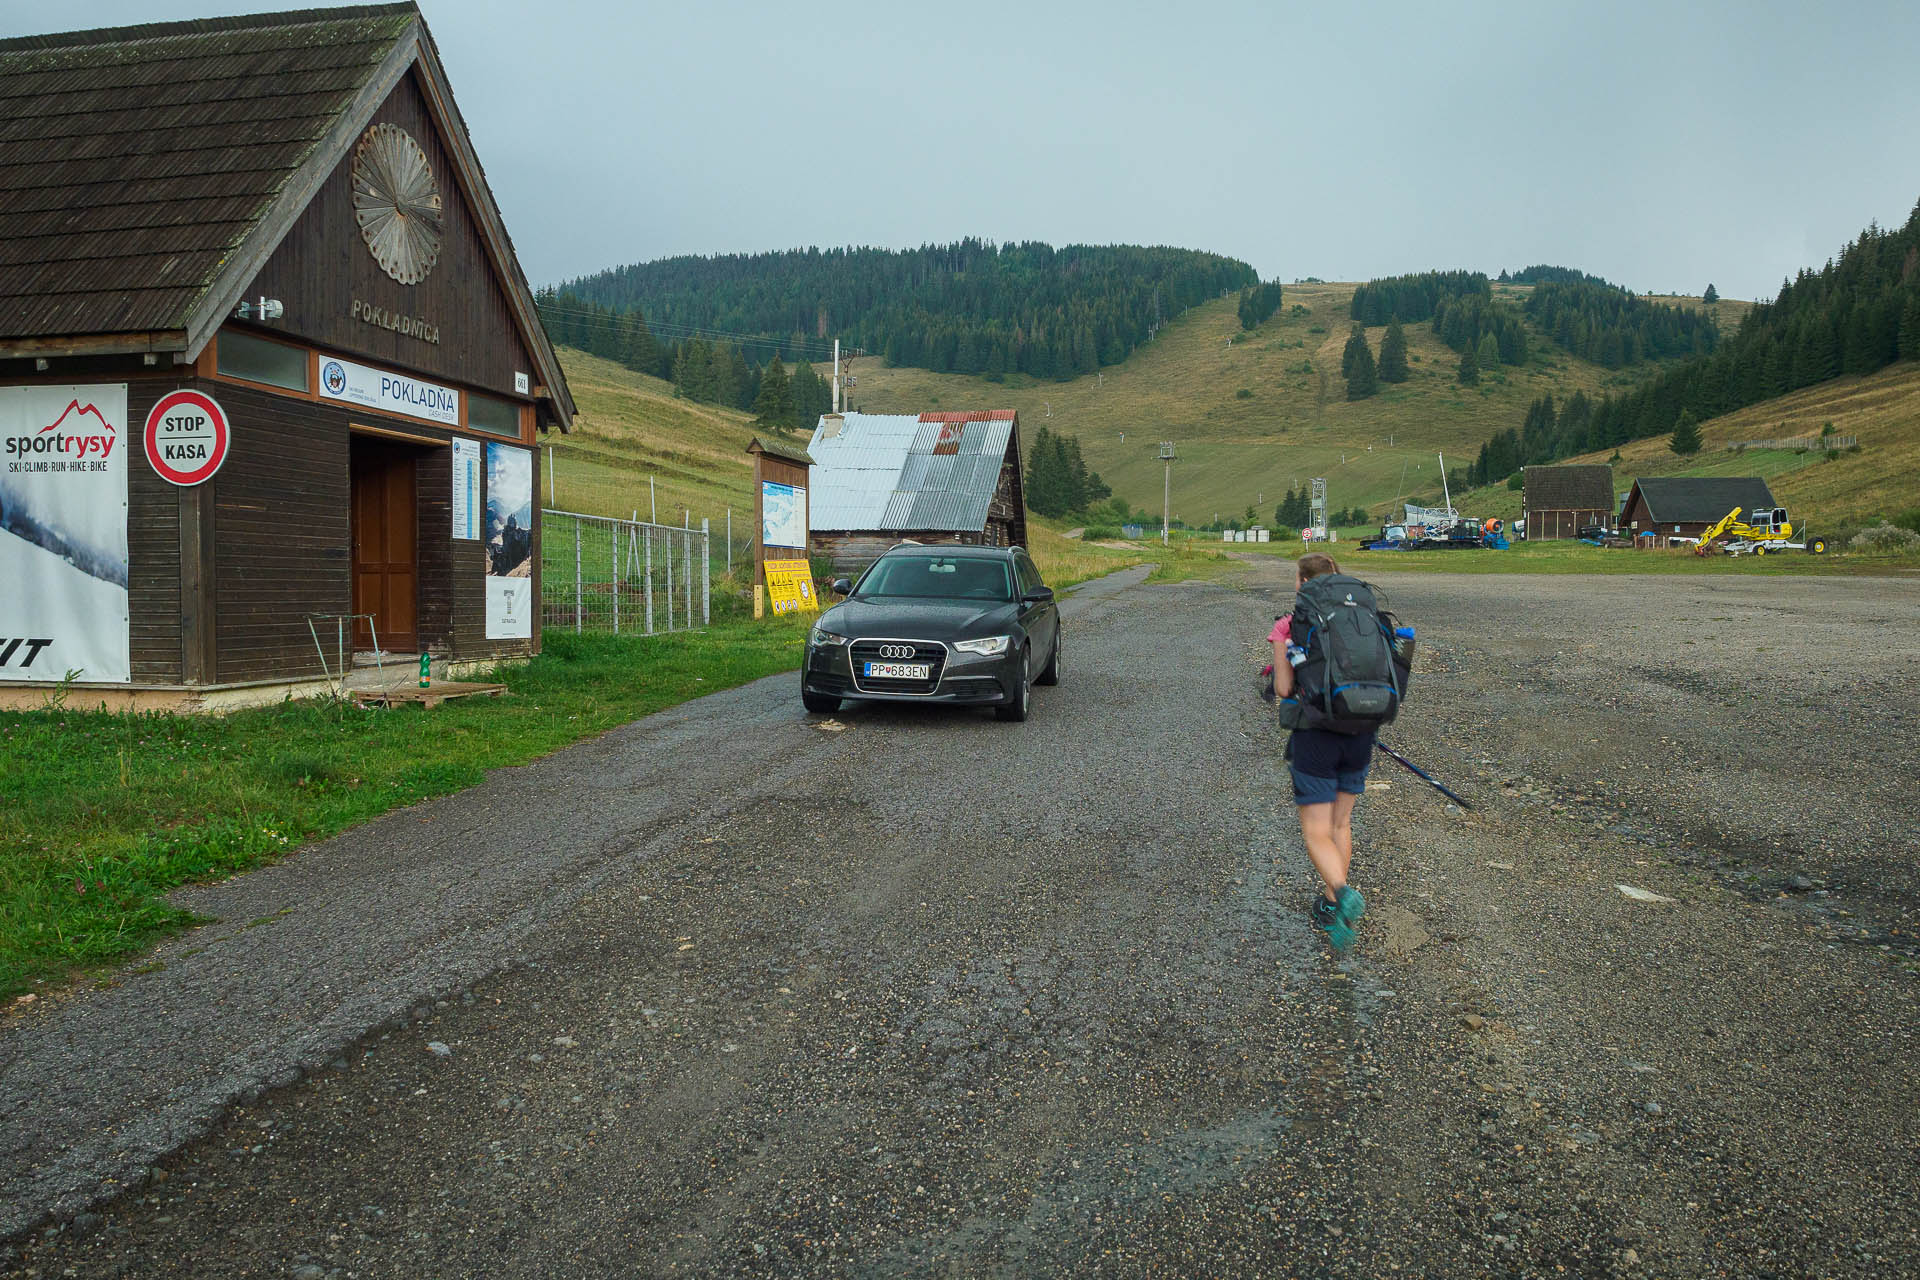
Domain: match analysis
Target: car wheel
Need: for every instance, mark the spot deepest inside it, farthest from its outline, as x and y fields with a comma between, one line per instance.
x=1052, y=673
x=1017, y=709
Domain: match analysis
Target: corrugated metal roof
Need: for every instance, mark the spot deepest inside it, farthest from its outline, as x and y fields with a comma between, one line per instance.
x=933, y=472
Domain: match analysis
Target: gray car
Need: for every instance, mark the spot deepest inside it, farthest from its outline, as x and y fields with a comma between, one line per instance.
x=960, y=625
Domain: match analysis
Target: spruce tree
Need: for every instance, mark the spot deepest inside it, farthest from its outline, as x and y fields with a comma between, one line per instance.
x=1910, y=328
x=773, y=406
x=1469, y=373
x=1364, y=380
x=1356, y=344
x=1393, y=354
x=1711, y=296
x=1488, y=354
x=1686, y=435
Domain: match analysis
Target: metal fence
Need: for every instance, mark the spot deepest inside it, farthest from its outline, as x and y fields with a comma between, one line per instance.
x=1799, y=444
x=601, y=574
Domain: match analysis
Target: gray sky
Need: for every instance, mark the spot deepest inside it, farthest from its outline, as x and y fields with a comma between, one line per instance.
x=1658, y=145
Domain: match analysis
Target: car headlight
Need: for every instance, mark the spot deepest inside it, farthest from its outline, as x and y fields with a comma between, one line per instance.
x=819, y=636
x=988, y=646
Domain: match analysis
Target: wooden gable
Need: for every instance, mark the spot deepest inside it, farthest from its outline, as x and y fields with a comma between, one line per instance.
x=455, y=323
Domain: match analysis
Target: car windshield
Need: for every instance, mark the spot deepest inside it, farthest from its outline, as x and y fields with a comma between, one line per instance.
x=938, y=578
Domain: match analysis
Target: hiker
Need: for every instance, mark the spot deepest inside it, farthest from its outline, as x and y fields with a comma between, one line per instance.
x=1332, y=745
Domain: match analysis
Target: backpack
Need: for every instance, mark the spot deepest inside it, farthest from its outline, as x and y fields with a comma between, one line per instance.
x=1355, y=672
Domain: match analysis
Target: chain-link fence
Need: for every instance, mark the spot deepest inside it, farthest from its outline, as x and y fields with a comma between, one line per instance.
x=600, y=574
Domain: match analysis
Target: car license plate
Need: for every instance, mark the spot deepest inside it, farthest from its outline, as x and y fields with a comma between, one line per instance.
x=898, y=670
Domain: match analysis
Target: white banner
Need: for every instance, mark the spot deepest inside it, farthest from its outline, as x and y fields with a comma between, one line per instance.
x=783, y=515
x=63, y=533
x=510, y=602
x=466, y=488
x=396, y=393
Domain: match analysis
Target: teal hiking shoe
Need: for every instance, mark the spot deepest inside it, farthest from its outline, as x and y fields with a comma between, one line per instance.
x=1326, y=917
x=1352, y=905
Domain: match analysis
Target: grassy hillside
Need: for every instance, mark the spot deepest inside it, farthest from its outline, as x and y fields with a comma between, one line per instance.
x=631, y=427
x=1252, y=413
x=1882, y=410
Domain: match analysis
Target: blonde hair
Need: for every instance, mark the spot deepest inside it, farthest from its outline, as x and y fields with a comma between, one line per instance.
x=1315, y=563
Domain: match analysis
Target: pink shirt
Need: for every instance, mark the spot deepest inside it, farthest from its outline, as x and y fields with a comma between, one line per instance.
x=1282, y=632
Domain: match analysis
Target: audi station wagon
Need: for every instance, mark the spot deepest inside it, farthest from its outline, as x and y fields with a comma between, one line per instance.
x=973, y=626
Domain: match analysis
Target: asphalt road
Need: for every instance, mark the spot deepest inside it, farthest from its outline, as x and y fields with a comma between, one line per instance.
x=926, y=994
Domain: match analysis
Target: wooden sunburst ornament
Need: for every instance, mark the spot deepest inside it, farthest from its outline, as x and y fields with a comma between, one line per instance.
x=397, y=203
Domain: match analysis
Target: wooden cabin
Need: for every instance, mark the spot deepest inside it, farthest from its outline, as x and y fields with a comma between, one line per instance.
x=269, y=370
x=1560, y=501
x=1661, y=510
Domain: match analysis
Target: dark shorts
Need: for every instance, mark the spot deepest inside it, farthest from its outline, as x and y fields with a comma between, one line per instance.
x=1325, y=764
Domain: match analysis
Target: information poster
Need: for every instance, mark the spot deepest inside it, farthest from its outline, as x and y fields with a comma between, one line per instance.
x=466, y=489
x=396, y=393
x=63, y=534
x=783, y=515
x=510, y=602
x=790, y=587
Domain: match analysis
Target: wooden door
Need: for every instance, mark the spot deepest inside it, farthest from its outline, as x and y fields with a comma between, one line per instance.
x=386, y=567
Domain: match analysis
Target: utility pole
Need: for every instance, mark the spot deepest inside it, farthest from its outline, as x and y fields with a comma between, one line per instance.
x=836, y=375
x=1166, y=501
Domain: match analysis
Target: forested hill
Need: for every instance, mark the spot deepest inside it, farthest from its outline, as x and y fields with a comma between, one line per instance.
x=1855, y=315
x=969, y=307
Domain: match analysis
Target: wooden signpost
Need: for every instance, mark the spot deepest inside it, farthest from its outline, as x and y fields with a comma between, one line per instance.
x=781, y=570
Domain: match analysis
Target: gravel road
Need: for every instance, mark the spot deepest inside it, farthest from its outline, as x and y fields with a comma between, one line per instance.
x=919, y=994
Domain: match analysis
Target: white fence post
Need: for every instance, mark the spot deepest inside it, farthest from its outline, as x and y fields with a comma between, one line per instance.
x=578, y=619
x=706, y=579
x=669, y=559
x=613, y=531
x=648, y=536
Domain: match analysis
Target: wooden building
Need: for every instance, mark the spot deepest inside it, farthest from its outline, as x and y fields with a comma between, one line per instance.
x=1661, y=509
x=1560, y=501
x=258, y=258
x=879, y=479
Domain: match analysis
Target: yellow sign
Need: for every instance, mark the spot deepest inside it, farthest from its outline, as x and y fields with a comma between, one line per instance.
x=790, y=586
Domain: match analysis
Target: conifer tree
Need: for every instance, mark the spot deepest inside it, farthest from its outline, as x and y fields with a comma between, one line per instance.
x=1488, y=354
x=1364, y=380
x=1393, y=354
x=1469, y=372
x=1686, y=435
x=1910, y=328
x=773, y=406
x=1356, y=344
x=1711, y=296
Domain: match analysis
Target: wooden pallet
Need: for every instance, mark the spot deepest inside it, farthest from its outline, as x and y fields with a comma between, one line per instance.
x=430, y=697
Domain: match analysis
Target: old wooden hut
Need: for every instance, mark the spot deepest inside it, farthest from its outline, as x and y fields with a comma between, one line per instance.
x=268, y=366
x=879, y=479
x=1560, y=501
x=1662, y=509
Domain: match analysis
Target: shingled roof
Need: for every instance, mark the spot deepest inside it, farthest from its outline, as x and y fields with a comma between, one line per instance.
x=1572, y=488
x=148, y=172
x=1697, y=499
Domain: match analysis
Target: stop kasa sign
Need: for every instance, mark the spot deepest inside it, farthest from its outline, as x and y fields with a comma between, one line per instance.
x=186, y=437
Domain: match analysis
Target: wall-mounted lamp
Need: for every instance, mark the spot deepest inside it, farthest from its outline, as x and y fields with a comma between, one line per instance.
x=261, y=309
x=39, y=364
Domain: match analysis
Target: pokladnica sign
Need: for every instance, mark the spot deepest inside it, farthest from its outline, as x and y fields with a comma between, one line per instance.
x=410, y=326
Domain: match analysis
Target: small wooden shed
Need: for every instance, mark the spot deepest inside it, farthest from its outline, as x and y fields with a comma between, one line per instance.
x=267, y=362
x=879, y=479
x=1560, y=501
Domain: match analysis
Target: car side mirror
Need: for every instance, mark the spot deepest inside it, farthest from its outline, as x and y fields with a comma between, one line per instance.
x=842, y=587
x=1039, y=595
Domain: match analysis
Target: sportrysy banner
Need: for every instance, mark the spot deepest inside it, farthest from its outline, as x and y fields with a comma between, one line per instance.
x=63, y=533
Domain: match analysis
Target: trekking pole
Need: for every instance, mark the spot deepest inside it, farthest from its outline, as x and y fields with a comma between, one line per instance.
x=1428, y=778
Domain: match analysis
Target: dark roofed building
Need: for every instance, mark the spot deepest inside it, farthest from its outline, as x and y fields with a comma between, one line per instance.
x=280, y=215
x=1560, y=501
x=1661, y=508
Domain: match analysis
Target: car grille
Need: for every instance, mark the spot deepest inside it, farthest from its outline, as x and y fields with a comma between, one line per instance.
x=930, y=652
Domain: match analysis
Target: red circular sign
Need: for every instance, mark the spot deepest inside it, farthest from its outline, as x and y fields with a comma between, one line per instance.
x=186, y=437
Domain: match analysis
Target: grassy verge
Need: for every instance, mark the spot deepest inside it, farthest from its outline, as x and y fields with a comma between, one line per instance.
x=1065, y=561
x=101, y=815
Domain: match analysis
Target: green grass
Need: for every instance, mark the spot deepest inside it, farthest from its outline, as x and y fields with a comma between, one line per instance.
x=102, y=814
x=1185, y=386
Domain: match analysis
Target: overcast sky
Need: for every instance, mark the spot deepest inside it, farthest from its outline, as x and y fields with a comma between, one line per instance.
x=1659, y=145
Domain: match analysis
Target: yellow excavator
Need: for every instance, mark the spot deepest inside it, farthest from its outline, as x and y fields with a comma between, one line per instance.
x=1766, y=531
